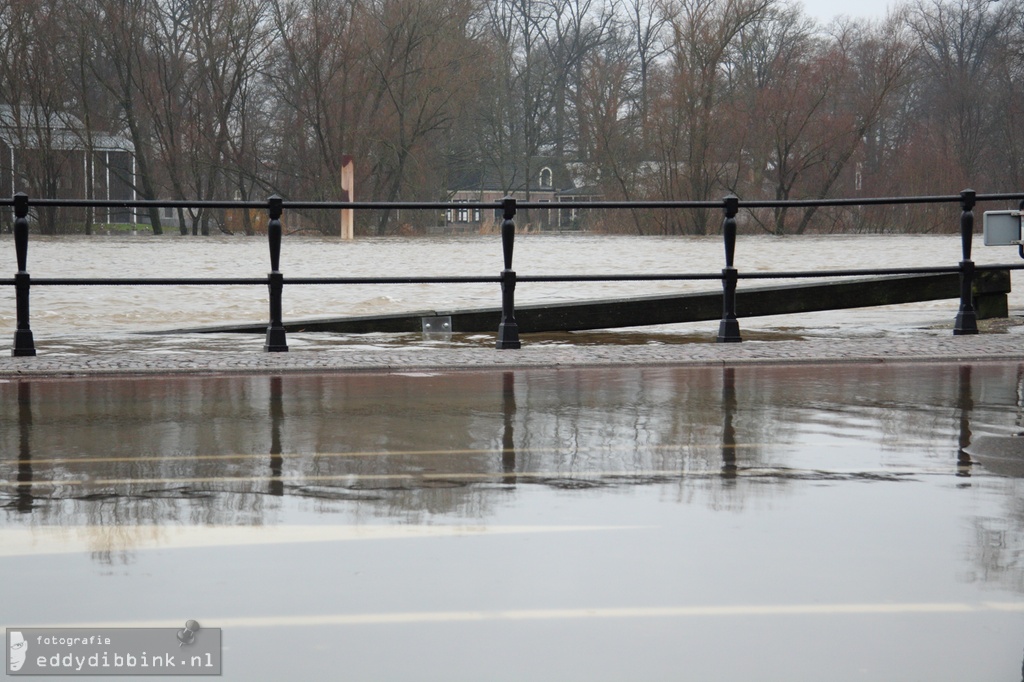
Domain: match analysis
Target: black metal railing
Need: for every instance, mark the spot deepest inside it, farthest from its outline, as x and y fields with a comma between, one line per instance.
x=508, y=330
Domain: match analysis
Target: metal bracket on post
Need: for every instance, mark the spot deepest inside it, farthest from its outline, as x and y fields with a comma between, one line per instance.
x=276, y=338
x=24, y=343
x=508, y=330
x=729, y=327
x=966, y=319
x=1020, y=210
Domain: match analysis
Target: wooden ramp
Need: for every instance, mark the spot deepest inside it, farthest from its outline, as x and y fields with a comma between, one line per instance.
x=991, y=288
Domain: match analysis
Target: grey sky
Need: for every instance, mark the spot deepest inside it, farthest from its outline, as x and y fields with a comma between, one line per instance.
x=826, y=10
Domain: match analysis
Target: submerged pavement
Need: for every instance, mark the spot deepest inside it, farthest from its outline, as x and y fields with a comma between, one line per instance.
x=793, y=522
x=911, y=348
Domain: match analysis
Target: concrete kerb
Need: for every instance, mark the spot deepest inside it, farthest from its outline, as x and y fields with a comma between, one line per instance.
x=934, y=349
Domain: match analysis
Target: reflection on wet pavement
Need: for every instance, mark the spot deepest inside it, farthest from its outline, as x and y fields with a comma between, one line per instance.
x=791, y=523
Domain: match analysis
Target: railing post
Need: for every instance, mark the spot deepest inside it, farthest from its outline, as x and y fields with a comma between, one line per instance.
x=508, y=330
x=276, y=339
x=729, y=328
x=24, y=344
x=966, y=319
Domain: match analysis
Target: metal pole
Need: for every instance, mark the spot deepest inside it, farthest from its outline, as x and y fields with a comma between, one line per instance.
x=966, y=319
x=276, y=339
x=508, y=330
x=24, y=344
x=729, y=328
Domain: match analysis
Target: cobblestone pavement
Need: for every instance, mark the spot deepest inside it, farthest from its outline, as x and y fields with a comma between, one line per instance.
x=925, y=348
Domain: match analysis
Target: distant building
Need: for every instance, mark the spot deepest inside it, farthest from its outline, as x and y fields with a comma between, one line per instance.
x=549, y=181
x=53, y=156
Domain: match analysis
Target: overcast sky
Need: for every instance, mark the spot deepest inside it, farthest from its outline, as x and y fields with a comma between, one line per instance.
x=827, y=10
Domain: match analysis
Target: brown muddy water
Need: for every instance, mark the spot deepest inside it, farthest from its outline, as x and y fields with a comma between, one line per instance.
x=108, y=319
x=773, y=523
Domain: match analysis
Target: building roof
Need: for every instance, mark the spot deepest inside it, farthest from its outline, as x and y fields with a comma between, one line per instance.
x=486, y=177
x=20, y=128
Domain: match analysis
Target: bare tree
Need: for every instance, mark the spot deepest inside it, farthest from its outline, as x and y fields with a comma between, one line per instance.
x=692, y=127
x=32, y=70
x=961, y=43
x=425, y=70
x=577, y=28
x=229, y=41
x=610, y=109
x=318, y=102
x=120, y=66
x=882, y=60
x=783, y=75
x=525, y=96
x=1007, y=104
x=647, y=25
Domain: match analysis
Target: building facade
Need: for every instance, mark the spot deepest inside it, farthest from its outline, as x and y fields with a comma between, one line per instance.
x=547, y=181
x=53, y=156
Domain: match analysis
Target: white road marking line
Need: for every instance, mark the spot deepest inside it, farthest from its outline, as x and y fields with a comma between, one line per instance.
x=415, y=617
x=85, y=539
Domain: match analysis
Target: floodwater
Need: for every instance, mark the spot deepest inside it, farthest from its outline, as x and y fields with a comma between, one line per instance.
x=772, y=523
x=107, y=319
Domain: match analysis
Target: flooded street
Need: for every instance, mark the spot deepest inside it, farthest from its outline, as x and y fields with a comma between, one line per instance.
x=851, y=522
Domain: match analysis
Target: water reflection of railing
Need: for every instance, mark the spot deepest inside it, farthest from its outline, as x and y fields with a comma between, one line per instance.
x=505, y=438
x=24, y=500
x=246, y=443
x=508, y=330
x=145, y=451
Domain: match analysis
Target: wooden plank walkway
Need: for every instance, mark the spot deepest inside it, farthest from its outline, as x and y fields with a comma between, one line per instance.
x=991, y=288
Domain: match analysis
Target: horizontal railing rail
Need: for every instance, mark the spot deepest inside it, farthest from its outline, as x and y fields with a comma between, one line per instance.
x=497, y=205
x=537, y=279
x=507, y=333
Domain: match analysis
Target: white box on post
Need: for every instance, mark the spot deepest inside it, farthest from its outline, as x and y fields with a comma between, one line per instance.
x=1002, y=228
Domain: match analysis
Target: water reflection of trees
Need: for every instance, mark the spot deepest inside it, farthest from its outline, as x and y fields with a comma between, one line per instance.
x=998, y=558
x=997, y=448
x=417, y=448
